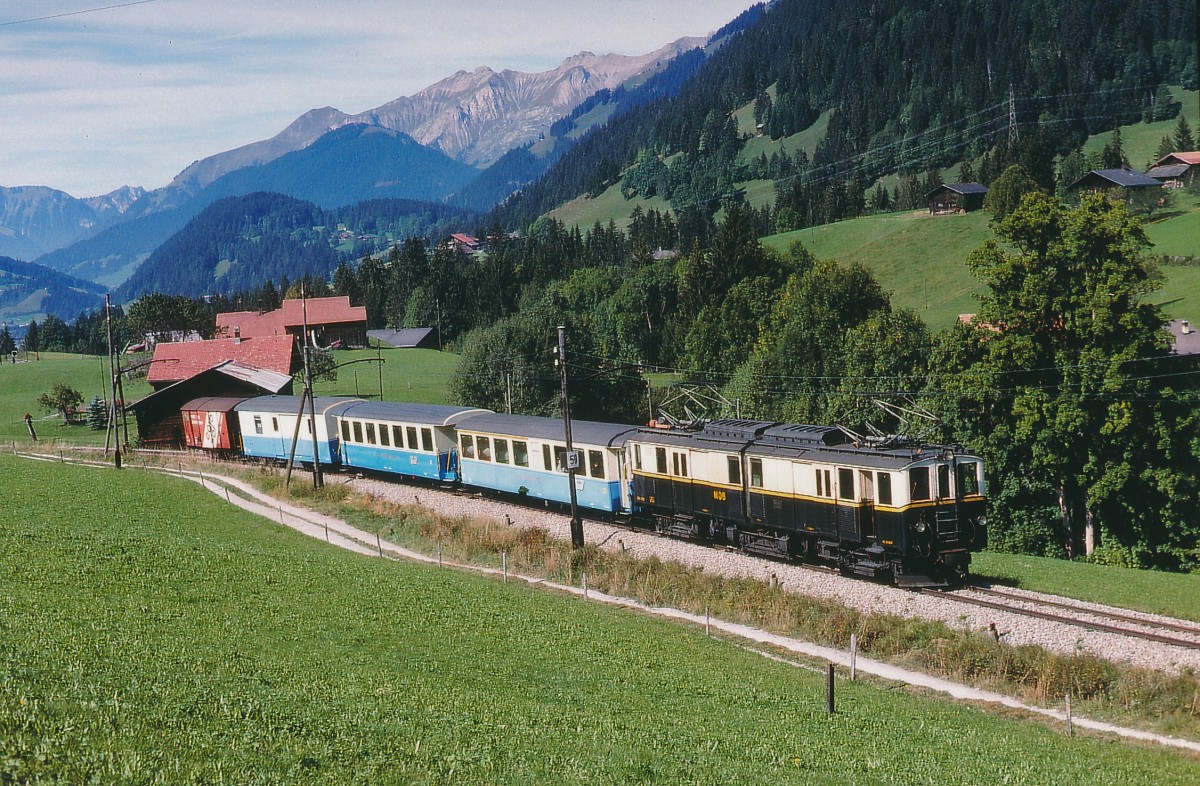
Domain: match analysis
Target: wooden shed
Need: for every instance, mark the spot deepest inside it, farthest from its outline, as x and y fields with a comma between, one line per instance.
x=956, y=198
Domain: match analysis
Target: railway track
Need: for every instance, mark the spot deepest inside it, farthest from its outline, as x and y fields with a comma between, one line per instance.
x=1076, y=615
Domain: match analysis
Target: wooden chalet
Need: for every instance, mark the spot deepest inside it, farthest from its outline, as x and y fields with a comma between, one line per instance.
x=332, y=321
x=1177, y=170
x=956, y=198
x=463, y=243
x=1101, y=181
x=175, y=362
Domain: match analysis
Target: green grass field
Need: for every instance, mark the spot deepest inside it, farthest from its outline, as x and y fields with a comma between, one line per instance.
x=128, y=659
x=417, y=375
x=1140, y=140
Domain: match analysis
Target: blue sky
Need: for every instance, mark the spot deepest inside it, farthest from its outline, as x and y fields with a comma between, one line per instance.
x=133, y=93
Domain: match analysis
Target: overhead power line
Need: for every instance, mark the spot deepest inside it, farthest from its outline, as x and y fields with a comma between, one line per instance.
x=75, y=13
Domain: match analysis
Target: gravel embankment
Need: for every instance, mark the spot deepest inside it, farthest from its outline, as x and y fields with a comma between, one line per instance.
x=867, y=597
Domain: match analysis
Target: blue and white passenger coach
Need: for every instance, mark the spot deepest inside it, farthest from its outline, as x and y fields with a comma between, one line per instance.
x=417, y=440
x=527, y=456
x=268, y=424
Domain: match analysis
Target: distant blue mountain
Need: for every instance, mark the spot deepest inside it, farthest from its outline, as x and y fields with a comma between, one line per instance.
x=30, y=291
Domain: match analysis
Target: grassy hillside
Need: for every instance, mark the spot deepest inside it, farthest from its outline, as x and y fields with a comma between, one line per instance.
x=920, y=258
x=159, y=636
x=1140, y=140
x=419, y=375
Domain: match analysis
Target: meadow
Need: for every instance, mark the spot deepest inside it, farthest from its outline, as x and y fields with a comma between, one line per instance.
x=127, y=658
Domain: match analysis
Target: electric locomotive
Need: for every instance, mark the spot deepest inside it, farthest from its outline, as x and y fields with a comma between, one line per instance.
x=910, y=513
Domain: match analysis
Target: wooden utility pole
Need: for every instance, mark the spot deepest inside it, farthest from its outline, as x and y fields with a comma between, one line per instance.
x=113, y=370
x=571, y=459
x=318, y=480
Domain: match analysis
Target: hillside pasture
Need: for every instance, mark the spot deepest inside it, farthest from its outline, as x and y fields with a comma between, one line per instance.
x=157, y=635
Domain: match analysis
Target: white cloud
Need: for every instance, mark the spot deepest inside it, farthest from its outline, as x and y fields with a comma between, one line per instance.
x=134, y=94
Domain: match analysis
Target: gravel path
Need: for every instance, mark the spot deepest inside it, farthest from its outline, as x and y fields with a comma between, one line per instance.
x=1015, y=629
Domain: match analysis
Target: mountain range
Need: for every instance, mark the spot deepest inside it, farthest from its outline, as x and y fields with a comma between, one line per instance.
x=427, y=146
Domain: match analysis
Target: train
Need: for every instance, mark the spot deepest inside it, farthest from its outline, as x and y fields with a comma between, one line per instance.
x=903, y=512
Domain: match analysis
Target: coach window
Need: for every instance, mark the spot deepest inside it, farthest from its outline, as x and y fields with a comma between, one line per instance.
x=596, y=464
x=307, y=426
x=468, y=446
x=883, y=488
x=345, y=431
x=398, y=436
x=968, y=479
x=384, y=436
x=358, y=432
x=845, y=484
x=502, y=451
x=637, y=456
x=756, y=473
x=520, y=453
x=427, y=440
x=257, y=424
x=735, y=471
x=370, y=433
x=485, y=448
x=411, y=433
x=275, y=425
x=918, y=482
x=660, y=460
x=560, y=458
x=549, y=465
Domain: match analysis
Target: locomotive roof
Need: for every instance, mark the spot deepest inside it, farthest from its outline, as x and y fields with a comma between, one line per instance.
x=423, y=414
x=853, y=455
x=585, y=432
x=715, y=434
x=289, y=405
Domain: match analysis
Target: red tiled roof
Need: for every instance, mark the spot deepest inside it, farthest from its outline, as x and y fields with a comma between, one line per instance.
x=251, y=324
x=1191, y=158
x=184, y=360
x=323, y=311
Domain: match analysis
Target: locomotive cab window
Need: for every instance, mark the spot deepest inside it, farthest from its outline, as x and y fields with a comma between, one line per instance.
x=520, y=453
x=485, y=448
x=358, y=432
x=845, y=483
x=660, y=460
x=637, y=456
x=502, y=451
x=943, y=481
x=866, y=484
x=756, y=473
x=918, y=483
x=468, y=446
x=735, y=471
x=679, y=464
x=596, y=464
x=968, y=479
x=384, y=435
x=427, y=440
x=883, y=488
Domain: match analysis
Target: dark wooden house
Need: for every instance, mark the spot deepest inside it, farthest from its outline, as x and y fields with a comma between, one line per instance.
x=159, y=418
x=956, y=198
